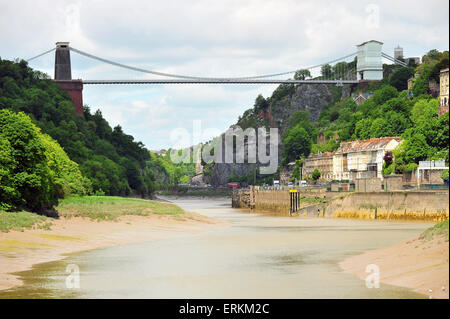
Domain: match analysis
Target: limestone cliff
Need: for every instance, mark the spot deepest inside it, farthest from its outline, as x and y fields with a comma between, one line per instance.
x=275, y=112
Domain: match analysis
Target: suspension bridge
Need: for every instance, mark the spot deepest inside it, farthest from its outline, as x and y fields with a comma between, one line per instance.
x=361, y=66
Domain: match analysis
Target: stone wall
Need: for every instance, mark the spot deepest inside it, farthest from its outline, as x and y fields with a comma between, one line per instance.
x=393, y=182
x=393, y=205
x=368, y=185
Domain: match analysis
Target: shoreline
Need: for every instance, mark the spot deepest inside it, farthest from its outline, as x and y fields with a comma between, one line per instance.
x=21, y=250
x=418, y=264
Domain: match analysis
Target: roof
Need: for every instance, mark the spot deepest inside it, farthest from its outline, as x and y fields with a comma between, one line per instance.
x=365, y=145
x=363, y=95
x=320, y=155
x=358, y=45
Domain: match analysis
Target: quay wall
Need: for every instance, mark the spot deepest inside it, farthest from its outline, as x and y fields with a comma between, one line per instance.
x=391, y=205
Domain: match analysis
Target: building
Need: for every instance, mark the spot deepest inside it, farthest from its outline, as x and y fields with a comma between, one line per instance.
x=321, y=161
x=415, y=60
x=398, y=52
x=434, y=88
x=429, y=172
x=362, y=97
x=443, y=92
x=286, y=172
x=362, y=159
x=369, y=65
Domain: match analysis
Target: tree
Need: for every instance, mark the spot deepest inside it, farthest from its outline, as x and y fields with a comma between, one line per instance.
x=315, y=174
x=26, y=179
x=363, y=128
x=416, y=148
x=326, y=71
x=296, y=144
x=296, y=173
x=384, y=94
x=399, y=79
x=260, y=103
x=302, y=75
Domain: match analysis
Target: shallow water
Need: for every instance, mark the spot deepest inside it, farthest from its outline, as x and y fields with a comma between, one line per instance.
x=259, y=256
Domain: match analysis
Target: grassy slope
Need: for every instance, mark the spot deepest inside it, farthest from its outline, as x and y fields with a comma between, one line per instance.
x=93, y=207
x=22, y=220
x=440, y=229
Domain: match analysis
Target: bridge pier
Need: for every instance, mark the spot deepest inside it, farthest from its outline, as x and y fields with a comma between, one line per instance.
x=63, y=76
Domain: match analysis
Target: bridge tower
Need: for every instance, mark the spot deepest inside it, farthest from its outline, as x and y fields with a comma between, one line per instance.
x=369, y=66
x=63, y=76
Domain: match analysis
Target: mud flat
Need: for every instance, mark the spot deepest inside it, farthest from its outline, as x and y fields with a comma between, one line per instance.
x=419, y=264
x=20, y=250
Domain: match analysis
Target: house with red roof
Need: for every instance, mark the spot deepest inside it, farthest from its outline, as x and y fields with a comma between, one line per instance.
x=362, y=159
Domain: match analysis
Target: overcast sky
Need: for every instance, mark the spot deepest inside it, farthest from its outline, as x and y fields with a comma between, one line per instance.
x=206, y=38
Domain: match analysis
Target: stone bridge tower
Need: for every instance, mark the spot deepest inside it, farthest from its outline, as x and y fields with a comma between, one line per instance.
x=63, y=76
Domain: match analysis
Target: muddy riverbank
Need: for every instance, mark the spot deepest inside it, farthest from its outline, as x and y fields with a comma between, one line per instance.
x=258, y=256
x=21, y=250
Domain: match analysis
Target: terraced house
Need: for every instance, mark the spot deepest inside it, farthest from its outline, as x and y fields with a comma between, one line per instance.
x=321, y=161
x=362, y=159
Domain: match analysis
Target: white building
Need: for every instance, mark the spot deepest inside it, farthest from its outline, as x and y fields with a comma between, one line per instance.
x=369, y=65
x=362, y=159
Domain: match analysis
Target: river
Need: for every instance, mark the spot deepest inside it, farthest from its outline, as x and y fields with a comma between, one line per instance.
x=258, y=256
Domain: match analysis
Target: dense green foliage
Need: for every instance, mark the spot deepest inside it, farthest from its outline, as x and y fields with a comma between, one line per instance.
x=113, y=162
x=34, y=169
x=390, y=112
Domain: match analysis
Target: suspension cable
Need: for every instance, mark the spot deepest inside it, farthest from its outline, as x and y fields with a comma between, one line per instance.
x=396, y=61
x=37, y=56
x=192, y=77
x=197, y=77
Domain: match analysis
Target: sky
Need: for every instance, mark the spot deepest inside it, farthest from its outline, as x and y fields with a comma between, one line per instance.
x=205, y=38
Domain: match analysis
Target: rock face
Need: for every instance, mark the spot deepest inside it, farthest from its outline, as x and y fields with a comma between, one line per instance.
x=198, y=180
x=311, y=97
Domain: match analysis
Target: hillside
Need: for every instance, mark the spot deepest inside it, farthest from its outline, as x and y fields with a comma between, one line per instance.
x=316, y=118
x=111, y=162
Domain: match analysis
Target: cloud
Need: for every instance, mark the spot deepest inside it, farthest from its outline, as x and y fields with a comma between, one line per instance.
x=205, y=38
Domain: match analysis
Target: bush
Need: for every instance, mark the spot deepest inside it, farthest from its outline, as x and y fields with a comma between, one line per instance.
x=315, y=175
x=34, y=169
x=444, y=175
x=25, y=179
x=388, y=170
x=411, y=167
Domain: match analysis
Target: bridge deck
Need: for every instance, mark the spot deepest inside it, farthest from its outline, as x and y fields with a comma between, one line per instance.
x=220, y=81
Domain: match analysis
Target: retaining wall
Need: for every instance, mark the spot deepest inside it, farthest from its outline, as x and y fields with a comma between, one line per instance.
x=401, y=205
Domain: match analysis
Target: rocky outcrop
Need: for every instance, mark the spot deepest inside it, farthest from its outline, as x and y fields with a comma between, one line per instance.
x=198, y=180
x=311, y=97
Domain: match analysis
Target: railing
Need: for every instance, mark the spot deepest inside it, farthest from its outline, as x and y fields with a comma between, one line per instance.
x=425, y=187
